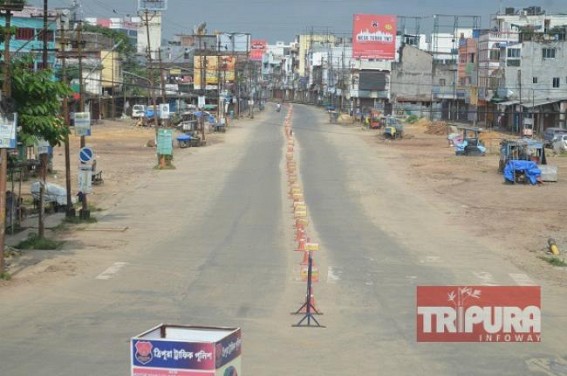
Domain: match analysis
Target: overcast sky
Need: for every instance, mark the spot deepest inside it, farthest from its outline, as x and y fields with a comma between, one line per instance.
x=281, y=20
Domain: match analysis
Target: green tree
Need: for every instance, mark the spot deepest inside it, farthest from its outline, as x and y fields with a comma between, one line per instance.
x=37, y=98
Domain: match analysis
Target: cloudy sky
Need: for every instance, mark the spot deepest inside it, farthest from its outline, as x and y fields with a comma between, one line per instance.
x=281, y=20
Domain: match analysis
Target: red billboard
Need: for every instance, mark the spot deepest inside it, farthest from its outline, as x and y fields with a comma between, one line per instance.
x=478, y=314
x=374, y=36
x=257, y=49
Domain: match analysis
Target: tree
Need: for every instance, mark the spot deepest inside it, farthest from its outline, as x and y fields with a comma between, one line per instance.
x=37, y=99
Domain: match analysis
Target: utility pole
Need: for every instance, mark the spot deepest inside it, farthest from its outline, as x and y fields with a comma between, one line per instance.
x=161, y=159
x=43, y=157
x=3, y=152
x=161, y=77
x=84, y=214
x=70, y=212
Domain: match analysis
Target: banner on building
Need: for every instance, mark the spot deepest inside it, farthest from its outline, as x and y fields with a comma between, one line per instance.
x=374, y=36
x=209, y=70
x=257, y=49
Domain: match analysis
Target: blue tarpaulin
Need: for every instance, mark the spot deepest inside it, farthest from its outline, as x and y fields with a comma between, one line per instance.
x=529, y=168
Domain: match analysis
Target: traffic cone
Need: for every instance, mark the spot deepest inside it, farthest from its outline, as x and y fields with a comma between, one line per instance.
x=301, y=245
x=313, y=307
x=301, y=222
x=299, y=234
x=305, y=260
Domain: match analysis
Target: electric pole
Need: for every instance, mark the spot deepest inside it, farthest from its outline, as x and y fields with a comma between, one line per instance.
x=7, y=108
x=161, y=159
x=43, y=157
x=70, y=212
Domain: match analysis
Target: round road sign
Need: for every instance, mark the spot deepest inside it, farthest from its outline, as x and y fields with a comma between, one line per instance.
x=86, y=155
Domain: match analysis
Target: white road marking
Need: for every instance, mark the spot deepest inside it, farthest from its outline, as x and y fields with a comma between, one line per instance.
x=111, y=271
x=522, y=279
x=486, y=278
x=333, y=274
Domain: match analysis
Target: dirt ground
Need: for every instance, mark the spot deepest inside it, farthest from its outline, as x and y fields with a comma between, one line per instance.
x=517, y=218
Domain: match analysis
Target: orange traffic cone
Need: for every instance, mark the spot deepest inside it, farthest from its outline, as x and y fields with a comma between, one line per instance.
x=301, y=245
x=305, y=260
x=299, y=234
x=313, y=307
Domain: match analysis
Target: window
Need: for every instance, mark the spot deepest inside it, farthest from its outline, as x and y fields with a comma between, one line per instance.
x=555, y=81
x=25, y=33
x=534, y=80
x=548, y=53
x=513, y=63
x=514, y=52
x=442, y=82
x=494, y=55
x=471, y=58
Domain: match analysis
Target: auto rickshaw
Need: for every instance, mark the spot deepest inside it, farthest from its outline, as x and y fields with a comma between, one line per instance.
x=375, y=119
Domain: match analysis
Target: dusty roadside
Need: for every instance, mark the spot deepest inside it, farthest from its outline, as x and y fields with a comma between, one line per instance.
x=518, y=218
x=126, y=161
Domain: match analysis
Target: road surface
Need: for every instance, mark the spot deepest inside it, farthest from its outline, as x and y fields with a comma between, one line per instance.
x=210, y=243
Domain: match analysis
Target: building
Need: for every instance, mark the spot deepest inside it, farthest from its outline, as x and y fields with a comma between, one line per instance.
x=28, y=37
x=149, y=23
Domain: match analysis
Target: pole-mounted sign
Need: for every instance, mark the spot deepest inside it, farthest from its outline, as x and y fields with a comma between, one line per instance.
x=152, y=5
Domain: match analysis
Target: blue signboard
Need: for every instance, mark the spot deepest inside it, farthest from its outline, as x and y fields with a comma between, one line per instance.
x=86, y=155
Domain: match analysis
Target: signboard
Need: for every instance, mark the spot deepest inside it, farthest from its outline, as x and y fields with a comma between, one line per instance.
x=8, y=131
x=85, y=179
x=374, y=36
x=42, y=146
x=185, y=350
x=152, y=5
x=82, y=123
x=165, y=142
x=257, y=49
x=86, y=155
x=213, y=68
x=164, y=111
x=234, y=42
x=478, y=314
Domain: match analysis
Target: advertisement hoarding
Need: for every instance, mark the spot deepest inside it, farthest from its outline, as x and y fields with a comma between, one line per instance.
x=152, y=5
x=257, y=49
x=374, y=36
x=213, y=73
x=233, y=42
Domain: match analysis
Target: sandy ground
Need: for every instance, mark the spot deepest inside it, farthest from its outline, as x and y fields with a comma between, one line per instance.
x=518, y=218
x=126, y=161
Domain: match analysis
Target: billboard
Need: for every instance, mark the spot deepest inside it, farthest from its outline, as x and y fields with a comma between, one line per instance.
x=374, y=36
x=257, y=49
x=152, y=5
x=233, y=42
x=213, y=68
